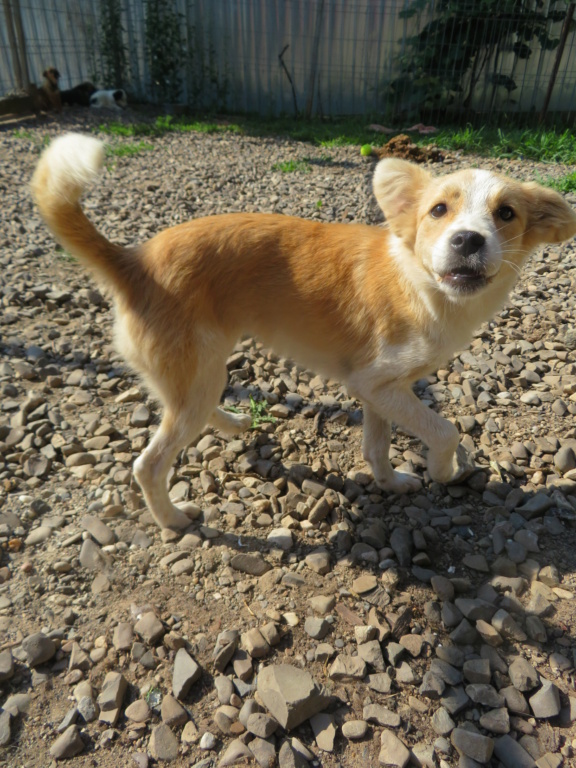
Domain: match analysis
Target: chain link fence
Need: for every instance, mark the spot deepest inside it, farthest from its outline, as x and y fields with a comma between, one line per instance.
x=428, y=60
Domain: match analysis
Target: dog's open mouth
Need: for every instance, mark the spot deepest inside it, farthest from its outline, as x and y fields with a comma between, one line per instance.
x=465, y=279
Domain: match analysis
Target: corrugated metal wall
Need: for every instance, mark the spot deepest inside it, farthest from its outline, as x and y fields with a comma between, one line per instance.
x=233, y=48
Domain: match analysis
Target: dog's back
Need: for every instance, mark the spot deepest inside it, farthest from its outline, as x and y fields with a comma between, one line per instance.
x=79, y=95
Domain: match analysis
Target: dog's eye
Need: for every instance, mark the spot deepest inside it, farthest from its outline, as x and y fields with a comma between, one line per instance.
x=506, y=213
x=438, y=211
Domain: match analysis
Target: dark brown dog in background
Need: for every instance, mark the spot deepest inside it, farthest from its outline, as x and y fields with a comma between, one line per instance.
x=79, y=95
x=50, y=97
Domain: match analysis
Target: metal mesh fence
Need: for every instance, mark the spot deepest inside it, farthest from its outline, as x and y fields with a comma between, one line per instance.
x=400, y=60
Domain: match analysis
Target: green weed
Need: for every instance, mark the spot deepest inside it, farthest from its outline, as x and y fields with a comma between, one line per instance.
x=153, y=696
x=259, y=414
x=290, y=166
x=127, y=150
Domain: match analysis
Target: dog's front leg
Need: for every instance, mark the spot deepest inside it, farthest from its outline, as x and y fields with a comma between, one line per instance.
x=376, y=448
x=447, y=461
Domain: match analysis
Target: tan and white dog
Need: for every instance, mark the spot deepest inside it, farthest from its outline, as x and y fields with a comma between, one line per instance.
x=375, y=307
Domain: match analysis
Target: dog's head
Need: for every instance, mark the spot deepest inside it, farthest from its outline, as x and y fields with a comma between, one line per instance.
x=462, y=229
x=119, y=96
x=52, y=75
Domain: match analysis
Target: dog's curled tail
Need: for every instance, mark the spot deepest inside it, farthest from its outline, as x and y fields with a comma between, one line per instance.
x=66, y=169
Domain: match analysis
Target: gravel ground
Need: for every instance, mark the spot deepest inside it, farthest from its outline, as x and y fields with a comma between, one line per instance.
x=305, y=618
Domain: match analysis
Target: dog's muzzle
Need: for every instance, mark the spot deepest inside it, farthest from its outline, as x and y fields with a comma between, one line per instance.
x=469, y=271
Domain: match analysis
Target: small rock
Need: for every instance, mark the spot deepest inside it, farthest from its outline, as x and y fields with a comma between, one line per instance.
x=255, y=644
x=163, y=744
x=365, y=583
x=113, y=690
x=376, y=713
x=261, y=725
x=546, y=702
x=316, y=628
x=442, y=722
x=512, y=754
x=347, y=668
x=251, y=564
x=477, y=671
x=38, y=648
x=5, y=732
x=236, y=751
x=472, y=744
x=138, y=711
x=6, y=665
x=172, y=713
x=324, y=729
x=392, y=751
x=496, y=720
x=485, y=695
x=68, y=744
x=290, y=694
x=150, y=628
x=186, y=672
x=354, y=729
x=88, y=709
x=522, y=675
x=208, y=741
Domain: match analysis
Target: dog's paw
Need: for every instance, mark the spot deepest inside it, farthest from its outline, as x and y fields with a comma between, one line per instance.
x=229, y=422
x=400, y=482
x=465, y=465
x=242, y=422
x=178, y=520
x=457, y=471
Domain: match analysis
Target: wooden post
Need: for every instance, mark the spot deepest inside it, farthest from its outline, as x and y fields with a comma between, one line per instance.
x=13, y=46
x=559, y=53
x=314, y=62
x=21, y=43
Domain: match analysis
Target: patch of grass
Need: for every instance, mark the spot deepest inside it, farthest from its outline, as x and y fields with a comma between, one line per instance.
x=290, y=166
x=564, y=184
x=259, y=414
x=40, y=142
x=167, y=124
x=22, y=133
x=127, y=150
x=547, y=145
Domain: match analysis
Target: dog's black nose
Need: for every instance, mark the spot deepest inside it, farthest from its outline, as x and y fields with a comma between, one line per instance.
x=466, y=243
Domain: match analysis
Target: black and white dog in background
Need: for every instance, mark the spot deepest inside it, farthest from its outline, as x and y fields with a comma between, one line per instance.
x=112, y=99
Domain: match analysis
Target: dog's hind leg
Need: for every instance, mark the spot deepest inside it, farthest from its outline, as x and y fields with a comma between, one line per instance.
x=376, y=448
x=152, y=467
x=185, y=415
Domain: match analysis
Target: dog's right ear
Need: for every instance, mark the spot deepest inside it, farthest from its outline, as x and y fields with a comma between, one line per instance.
x=398, y=186
x=45, y=73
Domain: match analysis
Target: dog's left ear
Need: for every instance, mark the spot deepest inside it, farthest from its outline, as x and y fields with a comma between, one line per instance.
x=550, y=218
x=398, y=186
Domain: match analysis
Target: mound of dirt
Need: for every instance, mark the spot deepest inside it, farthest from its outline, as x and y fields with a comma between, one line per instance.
x=403, y=147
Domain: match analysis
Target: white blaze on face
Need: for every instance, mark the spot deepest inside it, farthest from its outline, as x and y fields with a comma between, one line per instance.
x=470, y=210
